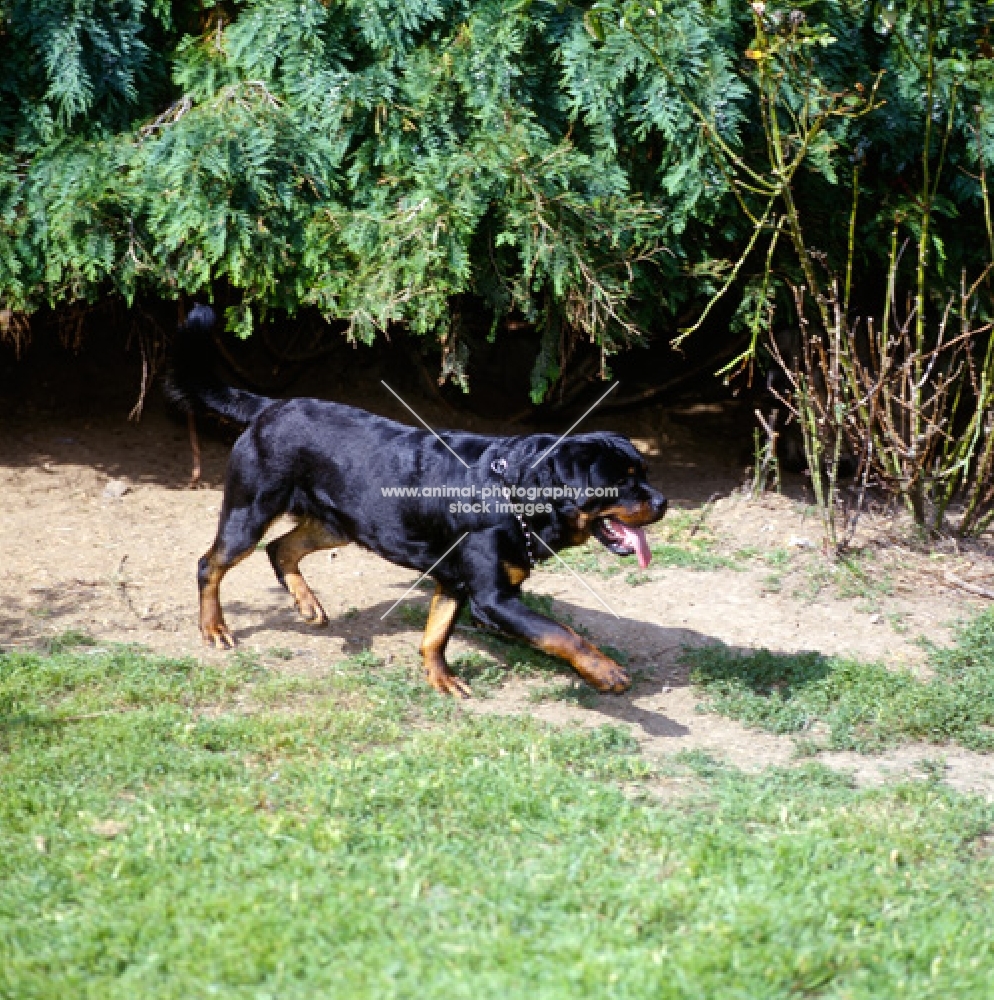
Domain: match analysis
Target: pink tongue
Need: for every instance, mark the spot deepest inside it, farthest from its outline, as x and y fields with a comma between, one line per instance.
x=635, y=537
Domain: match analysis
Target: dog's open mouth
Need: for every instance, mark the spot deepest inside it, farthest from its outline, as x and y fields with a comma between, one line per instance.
x=622, y=539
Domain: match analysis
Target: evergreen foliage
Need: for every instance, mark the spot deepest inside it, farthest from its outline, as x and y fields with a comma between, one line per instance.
x=375, y=159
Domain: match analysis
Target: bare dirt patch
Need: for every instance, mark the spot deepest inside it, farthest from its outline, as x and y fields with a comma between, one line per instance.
x=119, y=563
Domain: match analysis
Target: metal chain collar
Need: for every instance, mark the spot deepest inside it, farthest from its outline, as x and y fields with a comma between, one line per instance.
x=498, y=467
x=528, y=540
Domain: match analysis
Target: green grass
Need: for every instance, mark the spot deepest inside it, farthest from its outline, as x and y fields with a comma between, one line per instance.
x=866, y=706
x=235, y=833
x=855, y=575
x=777, y=558
x=570, y=691
x=695, y=555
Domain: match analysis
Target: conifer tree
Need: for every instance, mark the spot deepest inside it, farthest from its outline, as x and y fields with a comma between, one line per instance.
x=375, y=159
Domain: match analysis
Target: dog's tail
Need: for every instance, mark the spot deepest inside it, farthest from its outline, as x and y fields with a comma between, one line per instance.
x=191, y=382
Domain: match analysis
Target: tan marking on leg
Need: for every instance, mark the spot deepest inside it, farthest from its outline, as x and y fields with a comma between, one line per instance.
x=285, y=554
x=212, y=625
x=598, y=670
x=442, y=616
x=515, y=574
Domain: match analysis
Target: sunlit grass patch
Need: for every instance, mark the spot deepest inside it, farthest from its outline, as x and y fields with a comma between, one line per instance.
x=865, y=706
x=80, y=677
x=376, y=847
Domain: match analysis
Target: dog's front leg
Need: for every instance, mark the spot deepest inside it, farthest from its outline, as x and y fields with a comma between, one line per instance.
x=510, y=614
x=442, y=617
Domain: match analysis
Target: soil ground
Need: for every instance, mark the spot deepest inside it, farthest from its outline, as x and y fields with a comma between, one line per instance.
x=121, y=568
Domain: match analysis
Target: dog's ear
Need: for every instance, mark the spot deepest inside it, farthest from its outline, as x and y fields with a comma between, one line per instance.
x=539, y=461
x=607, y=457
x=570, y=466
x=527, y=461
x=574, y=459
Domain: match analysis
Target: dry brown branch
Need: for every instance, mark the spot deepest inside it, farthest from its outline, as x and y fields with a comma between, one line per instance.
x=970, y=588
x=16, y=328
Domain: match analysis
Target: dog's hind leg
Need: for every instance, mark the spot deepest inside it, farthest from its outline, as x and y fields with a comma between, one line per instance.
x=238, y=534
x=442, y=615
x=285, y=554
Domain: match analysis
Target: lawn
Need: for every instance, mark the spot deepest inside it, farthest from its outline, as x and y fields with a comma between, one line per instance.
x=864, y=706
x=168, y=829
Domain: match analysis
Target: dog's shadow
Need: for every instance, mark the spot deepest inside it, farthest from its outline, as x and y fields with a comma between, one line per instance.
x=651, y=652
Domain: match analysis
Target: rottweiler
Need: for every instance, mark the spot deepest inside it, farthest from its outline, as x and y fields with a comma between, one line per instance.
x=475, y=513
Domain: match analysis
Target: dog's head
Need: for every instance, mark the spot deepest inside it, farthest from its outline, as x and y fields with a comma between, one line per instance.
x=610, y=497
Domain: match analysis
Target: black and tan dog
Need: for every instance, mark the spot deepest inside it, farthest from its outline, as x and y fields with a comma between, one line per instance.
x=332, y=467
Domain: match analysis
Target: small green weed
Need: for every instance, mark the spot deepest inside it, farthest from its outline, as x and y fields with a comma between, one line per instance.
x=898, y=622
x=590, y=557
x=684, y=525
x=747, y=552
x=413, y=614
x=568, y=691
x=778, y=558
x=483, y=673
x=856, y=575
x=71, y=639
x=696, y=555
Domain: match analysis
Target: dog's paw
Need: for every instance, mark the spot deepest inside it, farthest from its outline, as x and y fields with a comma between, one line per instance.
x=308, y=606
x=605, y=676
x=312, y=613
x=447, y=683
x=217, y=635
